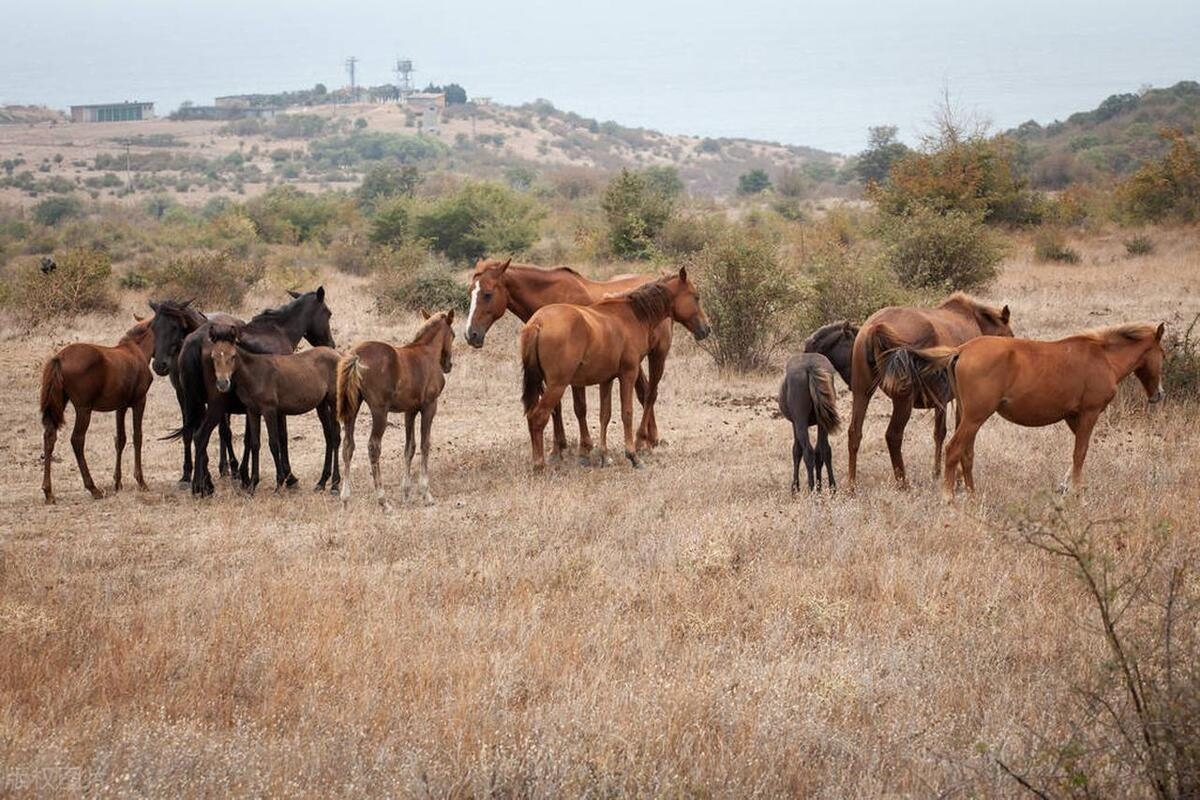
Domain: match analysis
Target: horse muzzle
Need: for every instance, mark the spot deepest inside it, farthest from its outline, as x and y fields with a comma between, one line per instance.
x=474, y=338
x=701, y=333
x=1158, y=396
x=223, y=384
x=162, y=368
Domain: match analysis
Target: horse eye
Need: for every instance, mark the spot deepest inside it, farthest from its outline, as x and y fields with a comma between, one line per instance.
x=487, y=295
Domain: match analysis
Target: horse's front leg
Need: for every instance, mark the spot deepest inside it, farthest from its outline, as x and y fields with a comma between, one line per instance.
x=271, y=420
x=901, y=411
x=252, y=437
x=626, y=381
x=605, y=416
x=410, y=449
x=139, y=410
x=202, y=483
x=858, y=414
x=939, y=439
x=648, y=430
x=1083, y=436
x=348, y=452
x=427, y=414
x=324, y=414
x=119, y=442
x=290, y=479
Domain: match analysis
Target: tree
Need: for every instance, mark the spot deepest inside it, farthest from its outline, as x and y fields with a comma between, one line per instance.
x=756, y=181
x=883, y=150
x=319, y=90
x=637, y=209
x=455, y=94
x=388, y=180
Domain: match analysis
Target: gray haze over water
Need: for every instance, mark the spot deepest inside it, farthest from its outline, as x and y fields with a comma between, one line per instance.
x=805, y=73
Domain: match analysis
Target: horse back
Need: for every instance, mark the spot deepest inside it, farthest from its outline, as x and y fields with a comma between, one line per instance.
x=102, y=378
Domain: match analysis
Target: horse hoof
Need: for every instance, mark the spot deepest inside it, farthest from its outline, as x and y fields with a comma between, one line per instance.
x=183, y=483
x=585, y=460
x=606, y=460
x=320, y=487
x=633, y=459
x=49, y=500
x=291, y=481
x=539, y=468
x=97, y=494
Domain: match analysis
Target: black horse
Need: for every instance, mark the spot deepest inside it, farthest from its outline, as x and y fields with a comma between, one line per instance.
x=277, y=331
x=172, y=323
x=835, y=341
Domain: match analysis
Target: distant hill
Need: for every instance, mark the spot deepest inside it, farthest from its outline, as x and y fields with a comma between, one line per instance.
x=1108, y=142
x=27, y=115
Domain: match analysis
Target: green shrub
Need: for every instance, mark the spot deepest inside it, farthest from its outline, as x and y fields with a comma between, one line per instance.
x=1139, y=245
x=391, y=224
x=750, y=299
x=844, y=280
x=1181, y=368
x=81, y=283
x=398, y=290
x=944, y=251
x=214, y=278
x=386, y=181
x=636, y=209
x=478, y=219
x=54, y=210
x=287, y=215
x=345, y=151
x=756, y=181
x=1049, y=244
x=686, y=235
x=1168, y=188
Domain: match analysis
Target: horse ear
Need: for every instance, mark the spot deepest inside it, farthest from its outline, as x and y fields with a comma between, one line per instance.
x=1004, y=314
x=154, y=306
x=1158, y=334
x=683, y=274
x=450, y=317
x=425, y=312
x=320, y=294
x=294, y=294
x=849, y=329
x=504, y=266
x=211, y=333
x=187, y=302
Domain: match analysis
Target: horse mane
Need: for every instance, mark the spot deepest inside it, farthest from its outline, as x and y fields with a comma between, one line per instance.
x=495, y=262
x=650, y=301
x=1115, y=334
x=275, y=313
x=426, y=332
x=138, y=331
x=223, y=333
x=821, y=333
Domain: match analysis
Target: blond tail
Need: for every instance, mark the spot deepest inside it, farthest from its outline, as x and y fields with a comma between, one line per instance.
x=349, y=387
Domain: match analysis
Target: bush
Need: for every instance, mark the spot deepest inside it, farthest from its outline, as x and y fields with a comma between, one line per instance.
x=1139, y=245
x=215, y=279
x=755, y=181
x=408, y=279
x=1181, y=367
x=1051, y=245
x=636, y=210
x=388, y=180
x=80, y=283
x=54, y=210
x=1168, y=188
x=750, y=299
x=391, y=224
x=944, y=251
x=287, y=215
x=686, y=235
x=478, y=219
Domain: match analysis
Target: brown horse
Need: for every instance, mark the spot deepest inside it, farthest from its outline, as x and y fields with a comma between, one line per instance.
x=522, y=289
x=271, y=387
x=405, y=379
x=567, y=345
x=880, y=360
x=97, y=378
x=807, y=397
x=1036, y=383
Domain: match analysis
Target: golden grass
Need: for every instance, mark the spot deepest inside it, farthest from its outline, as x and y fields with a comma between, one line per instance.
x=686, y=629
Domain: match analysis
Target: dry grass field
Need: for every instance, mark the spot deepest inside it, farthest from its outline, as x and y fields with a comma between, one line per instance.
x=689, y=629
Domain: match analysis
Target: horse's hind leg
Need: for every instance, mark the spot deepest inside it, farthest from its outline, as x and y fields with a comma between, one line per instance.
x=797, y=455
x=537, y=418
x=253, y=438
x=648, y=430
x=329, y=467
x=939, y=439
x=139, y=409
x=427, y=414
x=226, y=462
x=809, y=460
x=560, y=434
x=960, y=453
x=290, y=479
x=333, y=443
x=83, y=418
x=626, y=381
x=825, y=456
x=119, y=441
x=375, y=448
x=901, y=411
x=348, y=452
x=49, y=437
x=579, y=399
x=605, y=416
x=410, y=449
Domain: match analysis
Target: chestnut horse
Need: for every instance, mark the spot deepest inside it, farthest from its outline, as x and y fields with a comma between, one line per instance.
x=880, y=360
x=1036, y=383
x=171, y=325
x=522, y=289
x=567, y=345
x=406, y=379
x=97, y=378
x=274, y=386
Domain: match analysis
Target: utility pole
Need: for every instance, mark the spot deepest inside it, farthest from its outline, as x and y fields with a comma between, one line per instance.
x=350, y=62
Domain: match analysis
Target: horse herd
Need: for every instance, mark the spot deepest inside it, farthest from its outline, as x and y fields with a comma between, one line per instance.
x=577, y=333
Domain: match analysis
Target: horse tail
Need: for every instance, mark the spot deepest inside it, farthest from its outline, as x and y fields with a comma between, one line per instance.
x=935, y=363
x=349, y=387
x=824, y=398
x=533, y=380
x=893, y=369
x=53, y=401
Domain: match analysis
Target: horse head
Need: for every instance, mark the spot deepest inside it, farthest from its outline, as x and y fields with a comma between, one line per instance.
x=685, y=305
x=310, y=308
x=172, y=322
x=1149, y=369
x=446, y=329
x=993, y=322
x=224, y=354
x=836, y=342
x=489, y=298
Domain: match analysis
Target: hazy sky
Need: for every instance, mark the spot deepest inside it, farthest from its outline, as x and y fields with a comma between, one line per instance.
x=797, y=72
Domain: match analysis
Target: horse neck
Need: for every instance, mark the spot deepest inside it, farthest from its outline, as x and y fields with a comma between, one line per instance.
x=1123, y=356
x=530, y=288
x=142, y=342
